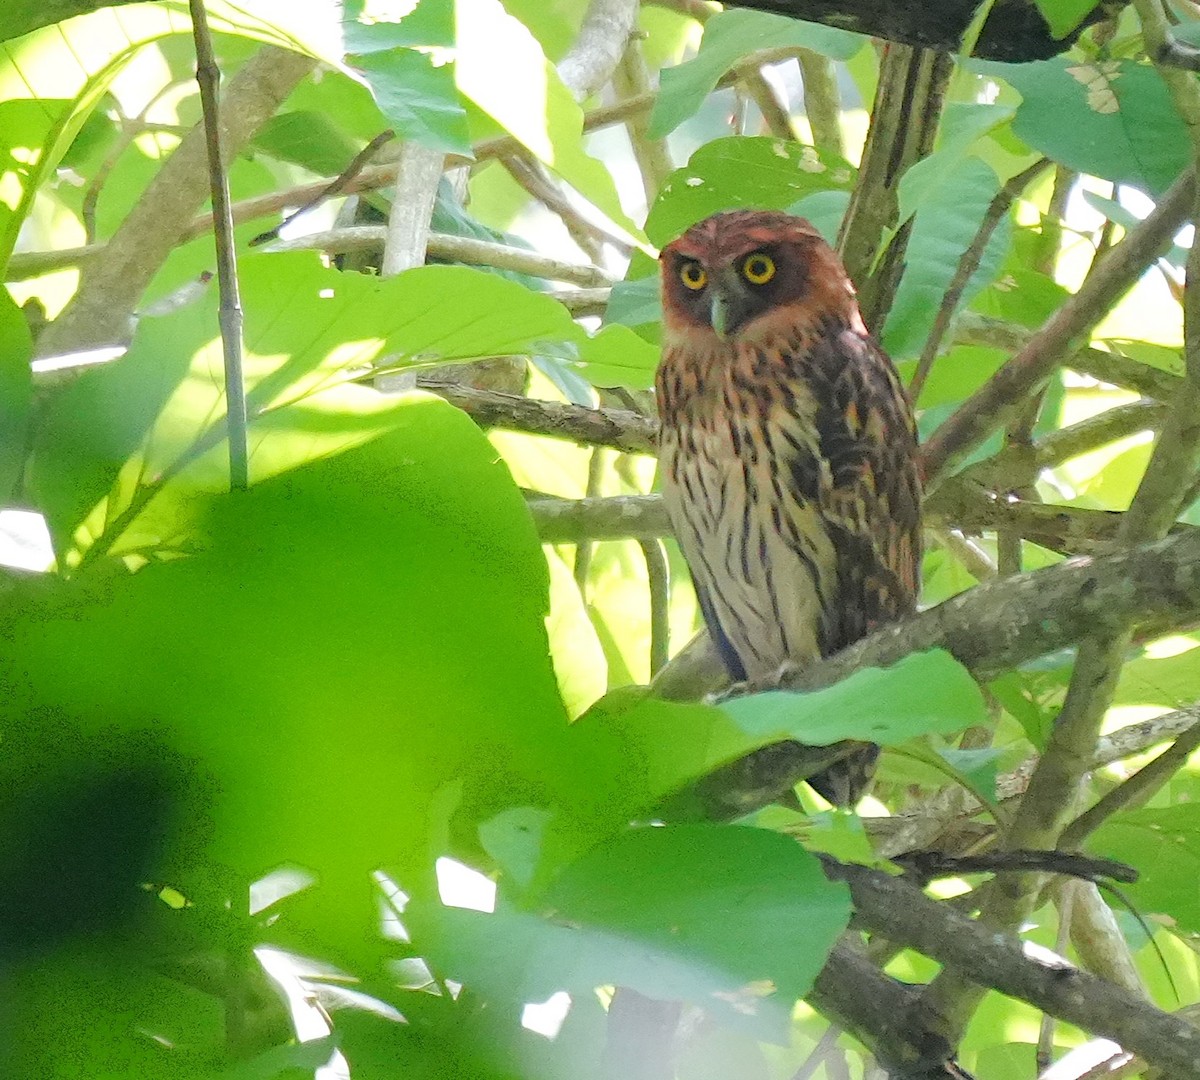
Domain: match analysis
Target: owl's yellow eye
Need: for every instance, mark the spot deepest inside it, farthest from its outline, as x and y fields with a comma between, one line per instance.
x=693, y=275
x=758, y=268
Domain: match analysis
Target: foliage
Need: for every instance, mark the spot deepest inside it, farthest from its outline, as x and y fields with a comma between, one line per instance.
x=356, y=726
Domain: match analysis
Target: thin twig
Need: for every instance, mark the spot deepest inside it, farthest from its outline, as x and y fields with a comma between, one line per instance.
x=584, y=548
x=339, y=185
x=208, y=75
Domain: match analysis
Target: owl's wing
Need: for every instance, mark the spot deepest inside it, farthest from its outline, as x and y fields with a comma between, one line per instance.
x=870, y=499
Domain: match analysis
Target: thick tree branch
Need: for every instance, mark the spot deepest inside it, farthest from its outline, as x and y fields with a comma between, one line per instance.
x=991, y=628
x=906, y=916
x=1015, y=31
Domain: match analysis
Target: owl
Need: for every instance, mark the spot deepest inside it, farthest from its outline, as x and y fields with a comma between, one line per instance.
x=788, y=452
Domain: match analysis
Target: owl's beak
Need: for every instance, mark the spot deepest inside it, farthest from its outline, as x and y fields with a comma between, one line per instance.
x=727, y=308
x=718, y=314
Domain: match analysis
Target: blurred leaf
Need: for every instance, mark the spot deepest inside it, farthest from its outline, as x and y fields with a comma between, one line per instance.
x=309, y=139
x=52, y=78
x=282, y=1060
x=16, y=393
x=1164, y=844
x=977, y=767
x=1013, y=692
x=945, y=226
x=360, y=632
x=1110, y=118
x=728, y=37
x=418, y=97
x=963, y=125
x=1019, y=294
x=924, y=692
x=579, y=662
x=649, y=910
x=307, y=328
x=660, y=745
x=1146, y=352
x=958, y=373
x=824, y=210
x=428, y=23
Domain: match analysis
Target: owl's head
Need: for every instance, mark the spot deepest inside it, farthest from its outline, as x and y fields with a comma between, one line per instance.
x=728, y=272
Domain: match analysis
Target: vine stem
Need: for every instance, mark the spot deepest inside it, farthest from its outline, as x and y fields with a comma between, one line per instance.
x=208, y=76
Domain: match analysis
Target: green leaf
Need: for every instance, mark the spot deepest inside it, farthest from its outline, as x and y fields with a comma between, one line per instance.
x=308, y=328
x=429, y=24
x=359, y=633
x=963, y=126
x=1062, y=16
x=728, y=37
x=945, y=227
x=925, y=692
x=765, y=173
x=418, y=98
x=660, y=745
x=1110, y=118
x=1164, y=844
x=16, y=392
x=650, y=910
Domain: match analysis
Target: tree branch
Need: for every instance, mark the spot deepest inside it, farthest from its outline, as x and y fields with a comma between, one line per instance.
x=999, y=399
x=110, y=288
x=906, y=916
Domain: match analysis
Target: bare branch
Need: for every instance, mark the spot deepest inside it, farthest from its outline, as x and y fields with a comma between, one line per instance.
x=456, y=248
x=418, y=173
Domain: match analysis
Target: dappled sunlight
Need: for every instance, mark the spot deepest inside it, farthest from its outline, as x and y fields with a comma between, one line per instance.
x=460, y=886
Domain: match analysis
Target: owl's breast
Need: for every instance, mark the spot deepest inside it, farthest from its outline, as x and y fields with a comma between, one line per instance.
x=740, y=476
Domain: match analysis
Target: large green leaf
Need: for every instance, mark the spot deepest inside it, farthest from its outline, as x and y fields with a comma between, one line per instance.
x=765, y=173
x=362, y=638
x=120, y=431
x=925, y=692
x=728, y=37
x=1111, y=118
x=945, y=227
x=738, y=920
x=418, y=96
x=1164, y=844
x=16, y=392
x=1062, y=16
